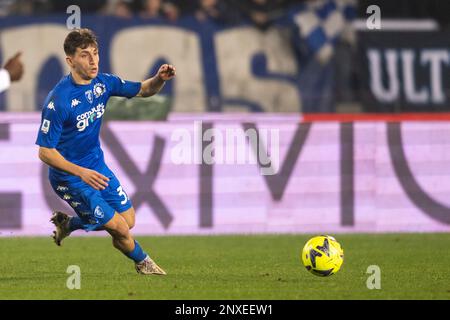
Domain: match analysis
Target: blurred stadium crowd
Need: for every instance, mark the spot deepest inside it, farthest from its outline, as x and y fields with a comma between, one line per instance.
x=261, y=12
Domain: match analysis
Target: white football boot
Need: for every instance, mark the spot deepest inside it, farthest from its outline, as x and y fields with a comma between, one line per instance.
x=61, y=221
x=148, y=266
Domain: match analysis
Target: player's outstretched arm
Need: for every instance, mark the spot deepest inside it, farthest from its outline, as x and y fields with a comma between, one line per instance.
x=153, y=85
x=54, y=159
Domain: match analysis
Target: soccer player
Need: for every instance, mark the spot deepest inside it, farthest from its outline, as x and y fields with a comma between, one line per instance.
x=69, y=143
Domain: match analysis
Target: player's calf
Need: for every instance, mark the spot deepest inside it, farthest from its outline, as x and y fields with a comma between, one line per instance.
x=118, y=228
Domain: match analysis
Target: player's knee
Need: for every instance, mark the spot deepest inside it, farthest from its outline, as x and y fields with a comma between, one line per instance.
x=118, y=228
x=131, y=223
x=129, y=216
x=122, y=230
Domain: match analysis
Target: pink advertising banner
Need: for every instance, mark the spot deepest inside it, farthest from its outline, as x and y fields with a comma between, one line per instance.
x=321, y=177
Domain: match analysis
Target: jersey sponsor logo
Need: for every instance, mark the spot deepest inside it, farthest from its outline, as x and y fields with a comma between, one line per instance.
x=99, y=89
x=98, y=212
x=67, y=196
x=45, y=126
x=51, y=105
x=89, y=96
x=85, y=119
x=75, y=102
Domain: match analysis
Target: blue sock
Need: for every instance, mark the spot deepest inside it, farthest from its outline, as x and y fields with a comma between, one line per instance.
x=75, y=224
x=137, y=255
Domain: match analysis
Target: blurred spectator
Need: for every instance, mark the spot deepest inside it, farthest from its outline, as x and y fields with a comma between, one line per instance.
x=171, y=11
x=261, y=12
x=216, y=10
x=86, y=6
x=5, y=7
x=122, y=9
x=185, y=7
x=12, y=71
x=160, y=9
x=151, y=9
x=21, y=7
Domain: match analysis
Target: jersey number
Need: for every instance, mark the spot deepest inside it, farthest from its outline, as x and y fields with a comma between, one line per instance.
x=122, y=194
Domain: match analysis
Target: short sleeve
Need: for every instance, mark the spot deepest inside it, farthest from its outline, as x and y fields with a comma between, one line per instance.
x=122, y=88
x=53, y=117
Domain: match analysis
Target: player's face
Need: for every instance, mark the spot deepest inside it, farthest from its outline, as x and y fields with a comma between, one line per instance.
x=85, y=62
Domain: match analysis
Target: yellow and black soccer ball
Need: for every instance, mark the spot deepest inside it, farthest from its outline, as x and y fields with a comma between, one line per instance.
x=323, y=255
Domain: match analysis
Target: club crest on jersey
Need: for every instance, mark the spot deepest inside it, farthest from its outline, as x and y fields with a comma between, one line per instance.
x=99, y=89
x=98, y=212
x=89, y=96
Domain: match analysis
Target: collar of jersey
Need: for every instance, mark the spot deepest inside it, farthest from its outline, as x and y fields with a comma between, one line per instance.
x=77, y=84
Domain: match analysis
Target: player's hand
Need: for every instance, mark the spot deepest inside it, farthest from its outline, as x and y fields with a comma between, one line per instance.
x=94, y=179
x=166, y=72
x=15, y=67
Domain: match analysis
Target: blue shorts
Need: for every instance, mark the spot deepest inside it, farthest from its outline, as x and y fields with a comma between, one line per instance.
x=94, y=207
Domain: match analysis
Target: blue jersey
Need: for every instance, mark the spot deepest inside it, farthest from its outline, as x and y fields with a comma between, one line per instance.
x=72, y=117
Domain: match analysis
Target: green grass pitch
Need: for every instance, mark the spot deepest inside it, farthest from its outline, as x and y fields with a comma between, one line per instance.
x=413, y=266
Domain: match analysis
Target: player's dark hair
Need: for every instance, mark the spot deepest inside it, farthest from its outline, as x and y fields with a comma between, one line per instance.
x=79, y=38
